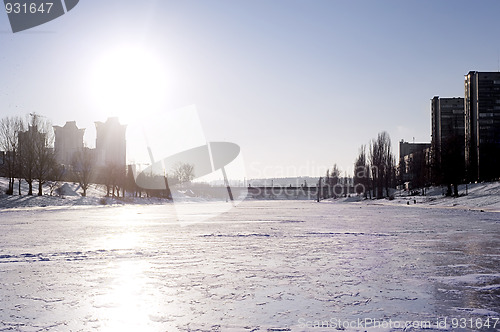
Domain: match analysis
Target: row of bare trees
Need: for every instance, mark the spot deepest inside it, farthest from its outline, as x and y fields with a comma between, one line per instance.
x=9, y=129
x=28, y=154
x=83, y=168
x=375, y=169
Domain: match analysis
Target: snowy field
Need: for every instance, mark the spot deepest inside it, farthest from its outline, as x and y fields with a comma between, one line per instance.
x=478, y=196
x=262, y=266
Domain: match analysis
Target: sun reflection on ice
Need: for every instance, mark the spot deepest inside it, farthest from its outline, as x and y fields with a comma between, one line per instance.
x=129, y=296
x=125, y=308
x=122, y=241
x=132, y=303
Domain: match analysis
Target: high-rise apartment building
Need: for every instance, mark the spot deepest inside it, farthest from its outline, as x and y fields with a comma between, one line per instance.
x=68, y=141
x=110, y=143
x=448, y=121
x=414, y=163
x=448, y=138
x=482, y=125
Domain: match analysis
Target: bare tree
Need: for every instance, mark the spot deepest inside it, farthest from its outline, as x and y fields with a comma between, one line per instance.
x=331, y=181
x=27, y=154
x=361, y=177
x=9, y=142
x=183, y=172
x=44, y=152
x=84, y=163
x=113, y=177
x=35, y=152
x=375, y=160
x=389, y=170
x=381, y=162
x=334, y=175
x=56, y=176
x=328, y=185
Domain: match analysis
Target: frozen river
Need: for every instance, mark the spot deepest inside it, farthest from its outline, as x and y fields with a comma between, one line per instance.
x=264, y=265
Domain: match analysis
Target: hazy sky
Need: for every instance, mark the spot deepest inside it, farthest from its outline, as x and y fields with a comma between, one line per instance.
x=299, y=85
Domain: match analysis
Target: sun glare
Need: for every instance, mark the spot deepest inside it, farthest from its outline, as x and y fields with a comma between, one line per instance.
x=129, y=82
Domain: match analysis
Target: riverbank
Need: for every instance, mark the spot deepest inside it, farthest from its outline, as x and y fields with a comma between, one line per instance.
x=477, y=196
x=68, y=195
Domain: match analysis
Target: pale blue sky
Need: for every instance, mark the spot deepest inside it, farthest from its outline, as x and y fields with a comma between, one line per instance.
x=297, y=84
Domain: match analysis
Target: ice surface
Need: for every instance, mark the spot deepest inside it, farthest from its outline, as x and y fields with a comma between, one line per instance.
x=262, y=266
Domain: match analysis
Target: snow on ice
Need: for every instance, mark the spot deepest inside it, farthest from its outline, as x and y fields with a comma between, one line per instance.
x=262, y=266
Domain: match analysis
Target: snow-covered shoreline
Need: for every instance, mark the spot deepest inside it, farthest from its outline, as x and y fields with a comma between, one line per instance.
x=481, y=197
x=70, y=197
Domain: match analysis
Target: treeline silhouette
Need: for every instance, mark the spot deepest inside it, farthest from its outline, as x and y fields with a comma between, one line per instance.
x=27, y=145
x=375, y=172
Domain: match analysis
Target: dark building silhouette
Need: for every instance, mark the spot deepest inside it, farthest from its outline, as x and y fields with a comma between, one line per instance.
x=482, y=125
x=27, y=139
x=414, y=163
x=448, y=137
x=68, y=141
x=110, y=143
x=448, y=119
x=406, y=148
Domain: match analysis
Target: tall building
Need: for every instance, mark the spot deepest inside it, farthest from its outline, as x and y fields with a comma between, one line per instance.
x=414, y=163
x=110, y=143
x=482, y=125
x=406, y=148
x=29, y=139
x=448, y=120
x=68, y=140
x=448, y=137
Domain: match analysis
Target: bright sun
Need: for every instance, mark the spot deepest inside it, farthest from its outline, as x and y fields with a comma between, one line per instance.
x=129, y=82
